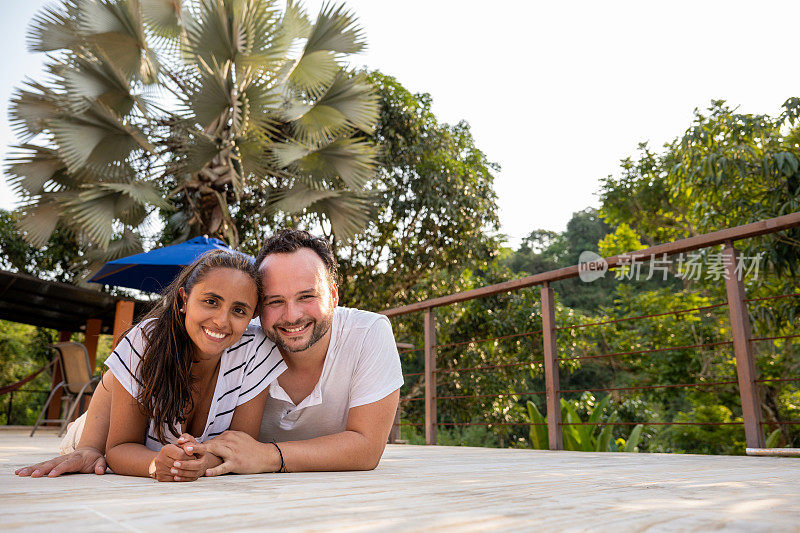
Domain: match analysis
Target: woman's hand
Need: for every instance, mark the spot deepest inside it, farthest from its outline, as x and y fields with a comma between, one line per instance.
x=165, y=462
x=84, y=460
x=200, y=462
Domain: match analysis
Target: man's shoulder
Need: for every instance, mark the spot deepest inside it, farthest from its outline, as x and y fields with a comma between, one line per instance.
x=362, y=327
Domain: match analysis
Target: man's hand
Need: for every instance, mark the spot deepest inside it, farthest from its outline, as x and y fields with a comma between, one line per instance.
x=239, y=452
x=165, y=465
x=83, y=460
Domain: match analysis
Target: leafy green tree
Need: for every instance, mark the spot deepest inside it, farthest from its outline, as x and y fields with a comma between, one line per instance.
x=726, y=170
x=180, y=105
x=545, y=250
x=54, y=261
x=436, y=206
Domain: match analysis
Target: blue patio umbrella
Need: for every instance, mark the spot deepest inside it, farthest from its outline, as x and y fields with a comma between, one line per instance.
x=152, y=271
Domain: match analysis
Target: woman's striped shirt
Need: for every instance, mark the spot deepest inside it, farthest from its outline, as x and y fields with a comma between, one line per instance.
x=246, y=369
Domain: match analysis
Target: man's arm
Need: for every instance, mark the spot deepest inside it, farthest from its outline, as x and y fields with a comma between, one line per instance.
x=359, y=447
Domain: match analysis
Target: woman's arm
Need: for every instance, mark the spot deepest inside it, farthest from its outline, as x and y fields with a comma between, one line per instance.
x=88, y=455
x=125, y=450
x=247, y=416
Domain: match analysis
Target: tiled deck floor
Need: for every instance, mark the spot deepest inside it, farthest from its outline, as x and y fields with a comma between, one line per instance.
x=418, y=488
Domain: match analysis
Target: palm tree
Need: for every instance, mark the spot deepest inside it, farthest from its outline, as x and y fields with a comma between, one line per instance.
x=184, y=106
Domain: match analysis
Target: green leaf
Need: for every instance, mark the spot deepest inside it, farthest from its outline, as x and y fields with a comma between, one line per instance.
x=313, y=71
x=604, y=439
x=599, y=407
x=633, y=438
x=774, y=439
x=355, y=98
x=537, y=433
x=209, y=93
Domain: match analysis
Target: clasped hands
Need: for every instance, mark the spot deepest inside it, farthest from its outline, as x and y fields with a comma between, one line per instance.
x=188, y=460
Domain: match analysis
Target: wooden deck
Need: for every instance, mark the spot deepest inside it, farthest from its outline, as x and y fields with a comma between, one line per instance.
x=419, y=488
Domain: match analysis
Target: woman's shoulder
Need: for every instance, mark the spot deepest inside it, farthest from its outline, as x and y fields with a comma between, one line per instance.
x=135, y=338
x=253, y=340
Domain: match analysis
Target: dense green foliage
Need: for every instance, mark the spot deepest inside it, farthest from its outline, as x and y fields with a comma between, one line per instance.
x=23, y=350
x=727, y=169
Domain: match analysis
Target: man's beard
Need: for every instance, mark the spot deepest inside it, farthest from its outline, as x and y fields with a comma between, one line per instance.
x=318, y=331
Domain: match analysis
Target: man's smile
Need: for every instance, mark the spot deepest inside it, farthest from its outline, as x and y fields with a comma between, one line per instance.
x=295, y=330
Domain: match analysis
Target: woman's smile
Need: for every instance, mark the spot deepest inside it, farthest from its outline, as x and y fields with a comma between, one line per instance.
x=214, y=334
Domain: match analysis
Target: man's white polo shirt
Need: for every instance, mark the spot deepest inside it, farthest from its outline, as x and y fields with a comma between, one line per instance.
x=362, y=366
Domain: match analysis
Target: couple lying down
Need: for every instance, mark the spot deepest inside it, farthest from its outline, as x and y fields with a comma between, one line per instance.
x=196, y=389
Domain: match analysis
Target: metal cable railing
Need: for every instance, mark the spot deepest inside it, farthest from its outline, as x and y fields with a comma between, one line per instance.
x=745, y=383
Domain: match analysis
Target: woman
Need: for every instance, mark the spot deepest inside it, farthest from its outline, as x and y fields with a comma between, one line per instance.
x=191, y=367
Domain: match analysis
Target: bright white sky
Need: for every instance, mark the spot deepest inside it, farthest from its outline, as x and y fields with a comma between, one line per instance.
x=556, y=92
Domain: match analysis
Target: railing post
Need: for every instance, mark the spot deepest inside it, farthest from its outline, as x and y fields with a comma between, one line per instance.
x=551, y=368
x=430, y=377
x=745, y=364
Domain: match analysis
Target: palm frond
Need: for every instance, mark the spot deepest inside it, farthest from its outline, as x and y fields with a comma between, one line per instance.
x=97, y=138
x=53, y=28
x=263, y=101
x=318, y=123
x=162, y=17
x=313, y=71
x=209, y=93
x=348, y=212
x=38, y=221
x=129, y=243
x=139, y=191
x=90, y=80
x=116, y=32
x=336, y=30
x=207, y=36
x=295, y=21
x=92, y=212
x=200, y=150
x=258, y=37
x=31, y=110
x=352, y=160
x=355, y=98
x=30, y=170
x=349, y=102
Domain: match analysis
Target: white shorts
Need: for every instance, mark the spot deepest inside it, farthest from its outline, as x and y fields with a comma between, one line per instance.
x=73, y=436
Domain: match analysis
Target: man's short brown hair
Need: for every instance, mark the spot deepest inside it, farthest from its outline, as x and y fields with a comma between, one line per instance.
x=287, y=241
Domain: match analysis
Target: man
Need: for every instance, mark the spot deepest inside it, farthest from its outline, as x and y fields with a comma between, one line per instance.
x=332, y=409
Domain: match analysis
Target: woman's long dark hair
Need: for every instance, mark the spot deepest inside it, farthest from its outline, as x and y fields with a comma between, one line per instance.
x=165, y=368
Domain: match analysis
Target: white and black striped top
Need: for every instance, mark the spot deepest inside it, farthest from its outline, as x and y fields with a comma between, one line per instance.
x=246, y=369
